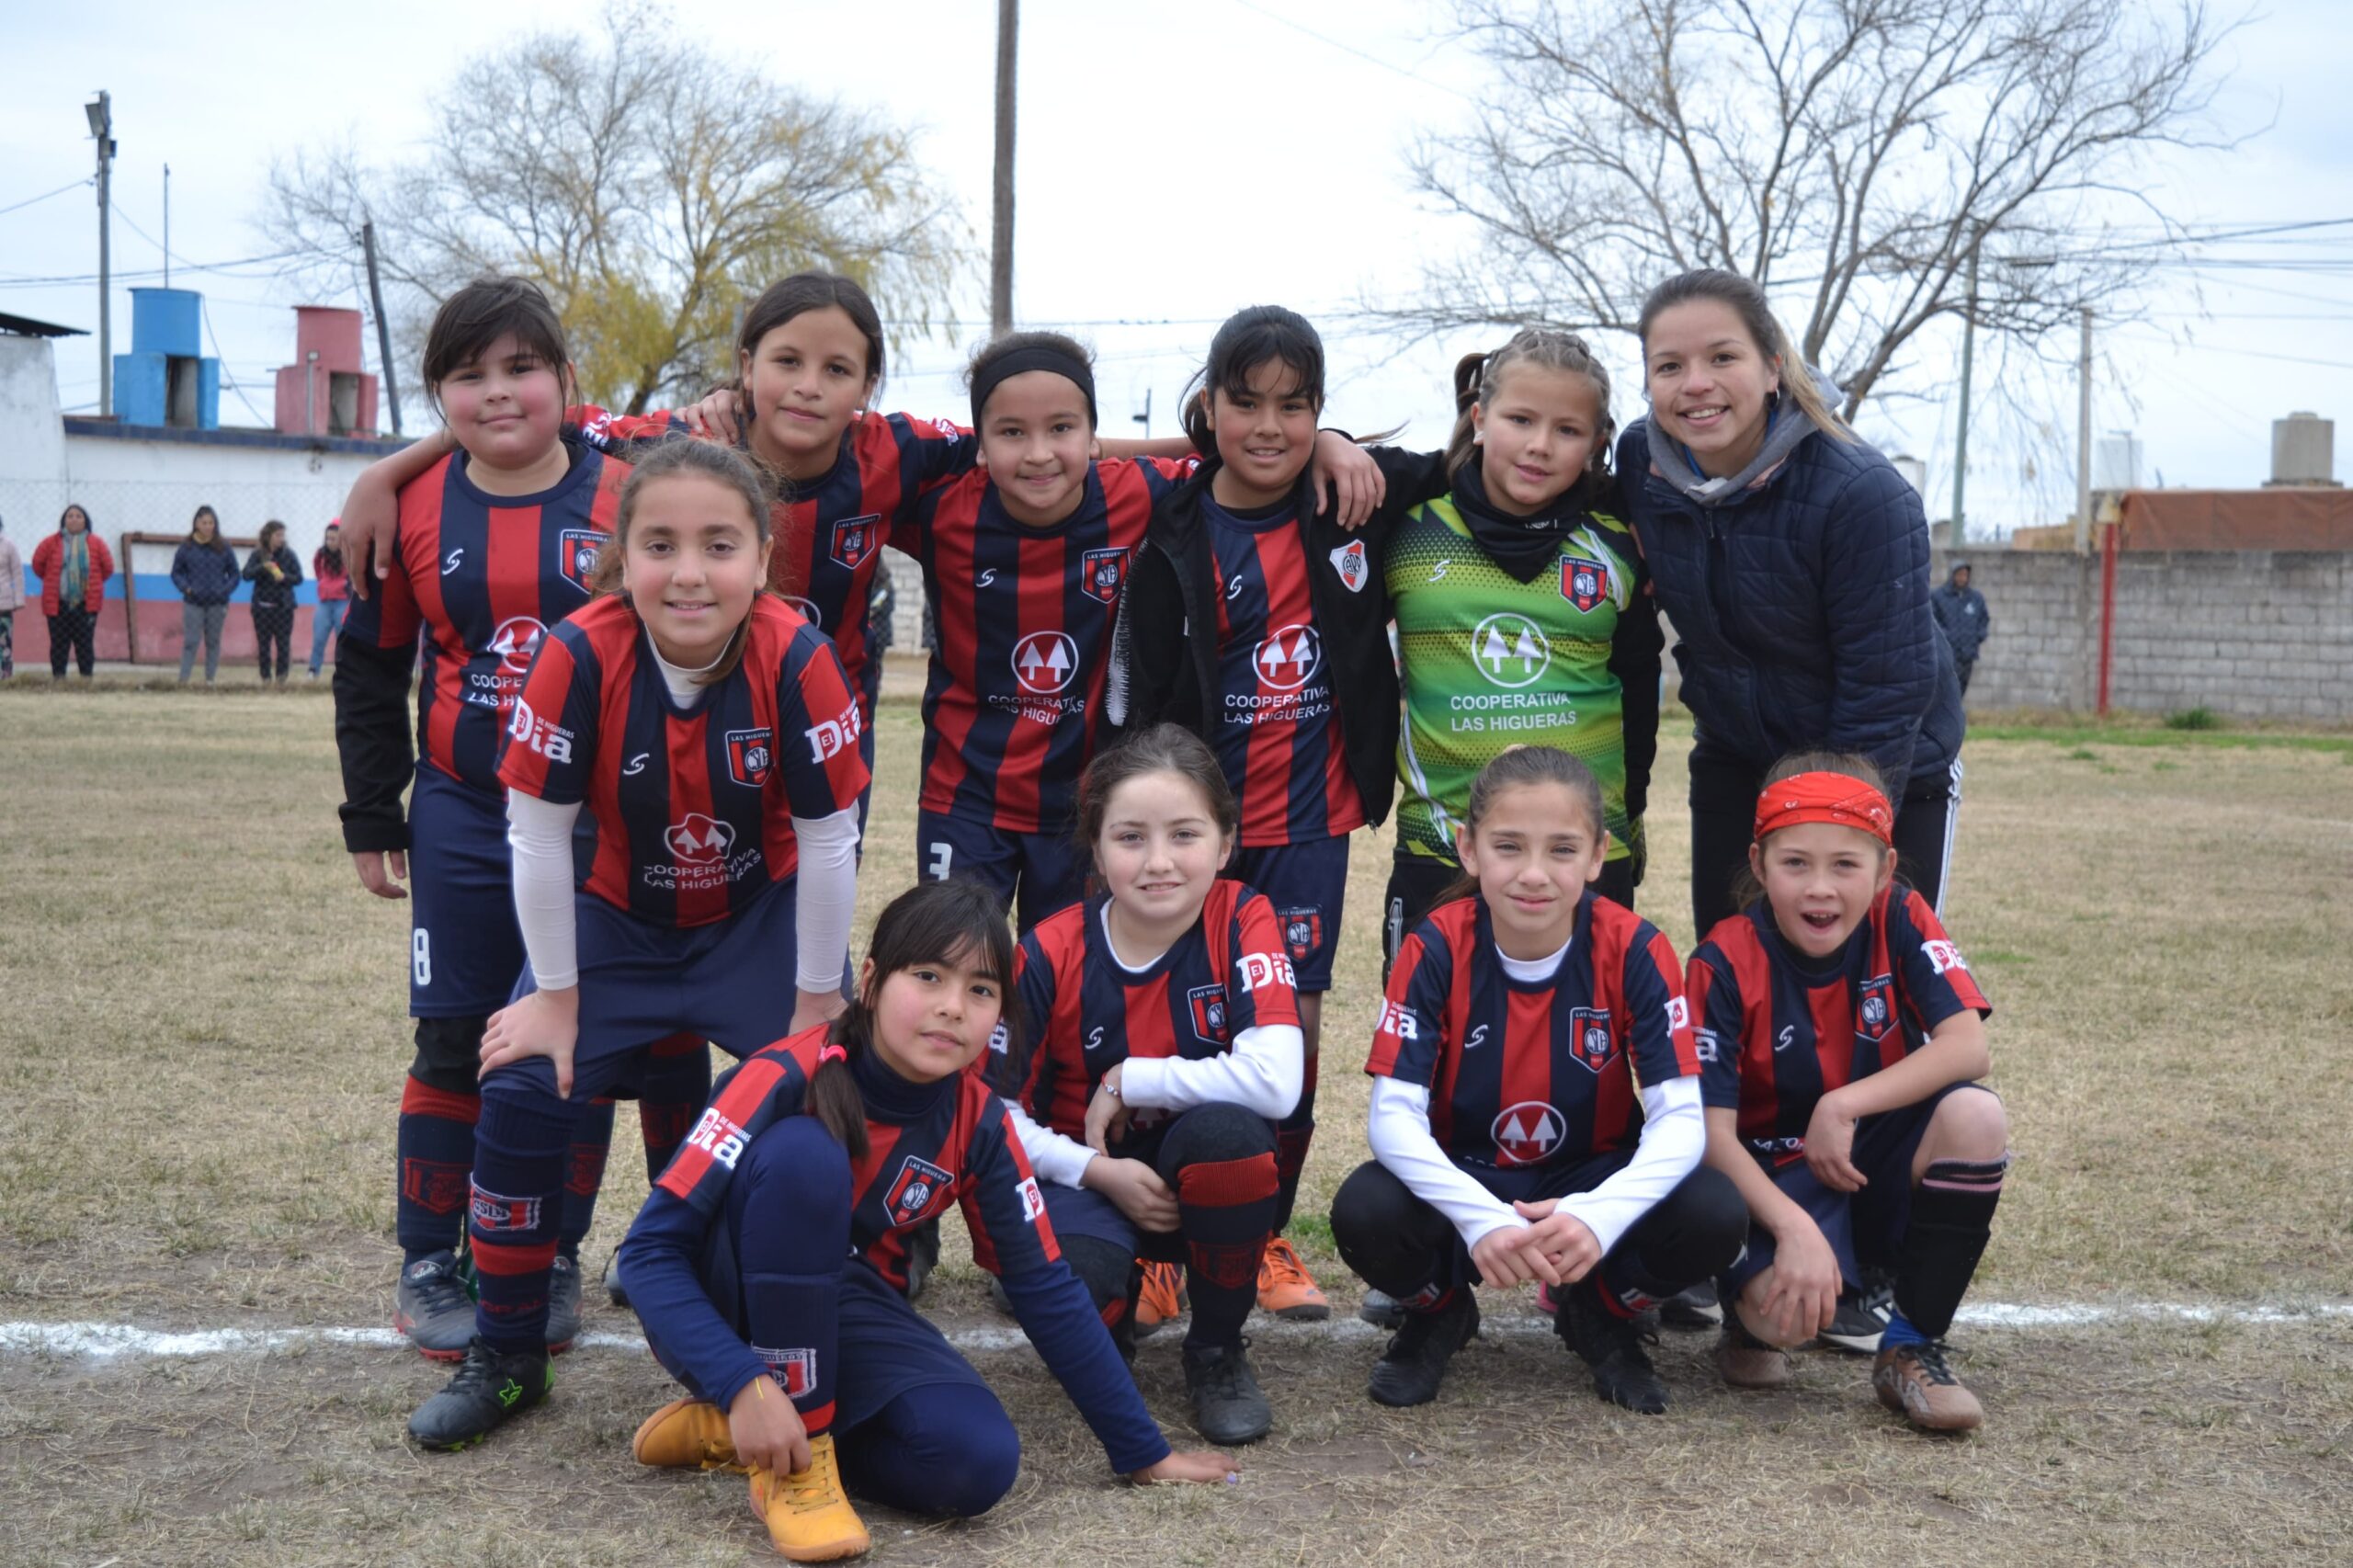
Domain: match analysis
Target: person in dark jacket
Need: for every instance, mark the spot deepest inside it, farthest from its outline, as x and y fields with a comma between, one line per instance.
x=205, y=571
x=275, y=574
x=1792, y=560
x=1960, y=614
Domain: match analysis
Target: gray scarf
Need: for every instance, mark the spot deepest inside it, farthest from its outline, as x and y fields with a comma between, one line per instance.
x=1791, y=424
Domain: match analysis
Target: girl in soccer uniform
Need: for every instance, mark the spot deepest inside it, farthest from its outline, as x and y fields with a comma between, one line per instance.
x=1536, y=1102
x=1166, y=1052
x=769, y=1262
x=492, y=544
x=682, y=775
x=1842, y=1037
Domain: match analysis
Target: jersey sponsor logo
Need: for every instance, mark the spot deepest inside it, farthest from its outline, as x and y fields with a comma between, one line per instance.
x=1437, y=572
x=1033, y=1202
x=1001, y=1041
x=1875, y=1008
x=987, y=579
x=806, y=610
x=1349, y=563
x=637, y=765
x=1510, y=650
x=855, y=540
x=1589, y=1039
x=1943, y=956
x=1583, y=583
x=1044, y=662
x=699, y=840
x=1679, y=1014
x=1094, y=1039
x=489, y=1211
x=1100, y=572
x=1527, y=1133
x=750, y=754
x=517, y=638
x=1477, y=1038
x=1787, y=1038
x=719, y=1138
x=794, y=1371
x=575, y=555
x=1397, y=1021
x=1302, y=932
x=549, y=739
x=1289, y=657
x=1706, y=1046
x=834, y=735
x=1234, y=588
x=1262, y=969
x=449, y=561
x=915, y=1191
x=1208, y=1005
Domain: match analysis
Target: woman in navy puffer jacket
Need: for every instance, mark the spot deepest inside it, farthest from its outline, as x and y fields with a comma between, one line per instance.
x=1793, y=561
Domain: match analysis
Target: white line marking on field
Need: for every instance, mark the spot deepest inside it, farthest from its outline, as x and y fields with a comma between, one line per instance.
x=106, y=1341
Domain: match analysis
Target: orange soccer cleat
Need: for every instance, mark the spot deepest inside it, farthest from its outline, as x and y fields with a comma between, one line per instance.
x=1163, y=1297
x=685, y=1433
x=809, y=1515
x=1286, y=1288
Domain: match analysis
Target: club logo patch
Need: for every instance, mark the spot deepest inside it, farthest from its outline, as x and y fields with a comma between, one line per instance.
x=1527, y=1133
x=1349, y=563
x=1033, y=1202
x=855, y=542
x=750, y=754
x=1208, y=1005
x=699, y=840
x=1101, y=573
x=1044, y=662
x=1302, y=932
x=1584, y=583
x=437, y=1186
x=576, y=555
x=1875, y=1008
x=517, y=638
x=794, y=1371
x=915, y=1191
x=1288, y=657
x=489, y=1211
x=1589, y=1037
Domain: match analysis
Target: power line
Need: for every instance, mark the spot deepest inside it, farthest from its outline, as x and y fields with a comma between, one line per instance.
x=220, y=266
x=1350, y=48
x=44, y=196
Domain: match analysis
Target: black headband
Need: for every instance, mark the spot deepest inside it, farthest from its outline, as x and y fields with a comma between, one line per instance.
x=1036, y=357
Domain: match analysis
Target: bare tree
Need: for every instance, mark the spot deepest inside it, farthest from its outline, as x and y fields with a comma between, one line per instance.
x=649, y=188
x=1845, y=153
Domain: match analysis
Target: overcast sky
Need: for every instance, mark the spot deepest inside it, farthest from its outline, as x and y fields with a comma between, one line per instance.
x=1175, y=163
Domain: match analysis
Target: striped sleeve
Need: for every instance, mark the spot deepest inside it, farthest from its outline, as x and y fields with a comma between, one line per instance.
x=826, y=773
x=1264, y=990
x=1935, y=977
x=1004, y=1208
x=1658, y=1021
x=549, y=746
x=1712, y=993
x=750, y=1098
x=1406, y=1044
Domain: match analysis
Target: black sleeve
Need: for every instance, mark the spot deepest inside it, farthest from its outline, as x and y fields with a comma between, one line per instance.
x=373, y=742
x=291, y=565
x=1150, y=652
x=1413, y=478
x=1636, y=659
x=254, y=563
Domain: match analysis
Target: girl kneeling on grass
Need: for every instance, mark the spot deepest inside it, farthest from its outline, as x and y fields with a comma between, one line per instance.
x=1841, y=1035
x=769, y=1262
x=1167, y=1052
x=1535, y=1103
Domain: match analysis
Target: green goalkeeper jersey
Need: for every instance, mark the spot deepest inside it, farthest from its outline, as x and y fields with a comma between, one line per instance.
x=1489, y=662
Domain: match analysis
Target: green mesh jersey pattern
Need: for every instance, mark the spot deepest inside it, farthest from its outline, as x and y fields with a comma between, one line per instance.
x=1489, y=662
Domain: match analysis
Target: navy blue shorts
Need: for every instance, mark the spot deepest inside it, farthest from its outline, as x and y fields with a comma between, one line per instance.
x=1033, y=873
x=464, y=947
x=1863, y=1228
x=1308, y=885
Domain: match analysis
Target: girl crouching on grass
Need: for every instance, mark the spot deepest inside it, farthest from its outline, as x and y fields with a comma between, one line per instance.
x=1843, y=1036
x=769, y=1262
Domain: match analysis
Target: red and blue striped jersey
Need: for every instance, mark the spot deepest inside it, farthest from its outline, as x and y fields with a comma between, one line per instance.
x=1524, y=1074
x=830, y=531
x=958, y=1148
x=1024, y=616
x=1776, y=1033
x=1277, y=731
x=483, y=577
x=689, y=814
x=1087, y=1013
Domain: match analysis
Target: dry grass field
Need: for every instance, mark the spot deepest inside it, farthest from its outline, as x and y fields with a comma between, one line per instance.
x=201, y=1044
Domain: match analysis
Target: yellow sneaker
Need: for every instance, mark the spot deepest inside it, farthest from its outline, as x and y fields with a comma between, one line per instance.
x=685, y=1433
x=1163, y=1297
x=808, y=1515
x=1286, y=1288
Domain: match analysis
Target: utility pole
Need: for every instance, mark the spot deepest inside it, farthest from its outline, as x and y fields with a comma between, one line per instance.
x=1960, y=436
x=2084, y=441
x=100, y=111
x=1009, y=22
x=383, y=332
x=1145, y=418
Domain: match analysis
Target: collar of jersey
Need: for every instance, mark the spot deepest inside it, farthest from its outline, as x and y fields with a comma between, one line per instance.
x=1098, y=915
x=579, y=462
x=890, y=1098
x=1484, y=933
x=1810, y=971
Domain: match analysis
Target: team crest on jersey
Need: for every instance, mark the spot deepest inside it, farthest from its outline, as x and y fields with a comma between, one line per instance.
x=1288, y=657
x=514, y=642
x=750, y=754
x=1527, y=1133
x=576, y=555
x=1875, y=1008
x=795, y=1369
x=1044, y=662
x=1589, y=1037
x=915, y=1191
x=1302, y=932
x=1100, y=572
x=1583, y=583
x=699, y=840
x=1208, y=1003
x=855, y=542
x=1348, y=561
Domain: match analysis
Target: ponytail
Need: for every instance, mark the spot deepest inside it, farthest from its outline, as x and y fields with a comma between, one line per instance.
x=832, y=1097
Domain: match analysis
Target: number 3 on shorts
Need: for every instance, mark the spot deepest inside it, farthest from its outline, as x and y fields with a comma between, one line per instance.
x=420, y=956
x=941, y=855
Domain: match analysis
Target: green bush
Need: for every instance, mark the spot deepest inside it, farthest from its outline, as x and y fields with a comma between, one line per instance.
x=2193, y=718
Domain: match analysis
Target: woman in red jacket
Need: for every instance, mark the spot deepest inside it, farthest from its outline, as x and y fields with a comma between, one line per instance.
x=73, y=565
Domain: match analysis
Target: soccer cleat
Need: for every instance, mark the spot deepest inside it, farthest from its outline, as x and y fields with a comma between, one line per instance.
x=809, y=1515
x=564, y=1303
x=1746, y=1361
x=684, y=1433
x=1162, y=1298
x=487, y=1390
x=923, y=1257
x=1694, y=1307
x=1381, y=1310
x=1286, y=1288
x=1228, y=1406
x=1410, y=1370
x=1860, y=1321
x=1612, y=1346
x=1913, y=1381
x=433, y=1308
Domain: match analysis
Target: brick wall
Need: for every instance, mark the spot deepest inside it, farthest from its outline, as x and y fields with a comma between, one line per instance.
x=2255, y=634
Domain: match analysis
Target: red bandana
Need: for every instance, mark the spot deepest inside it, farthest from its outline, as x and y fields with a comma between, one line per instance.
x=1825, y=797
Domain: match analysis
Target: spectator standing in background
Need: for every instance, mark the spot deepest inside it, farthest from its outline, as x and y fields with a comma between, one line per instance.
x=334, y=593
x=1960, y=614
x=11, y=599
x=275, y=574
x=73, y=564
x=205, y=571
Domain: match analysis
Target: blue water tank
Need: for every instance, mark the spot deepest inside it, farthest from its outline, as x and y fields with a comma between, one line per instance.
x=168, y=321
